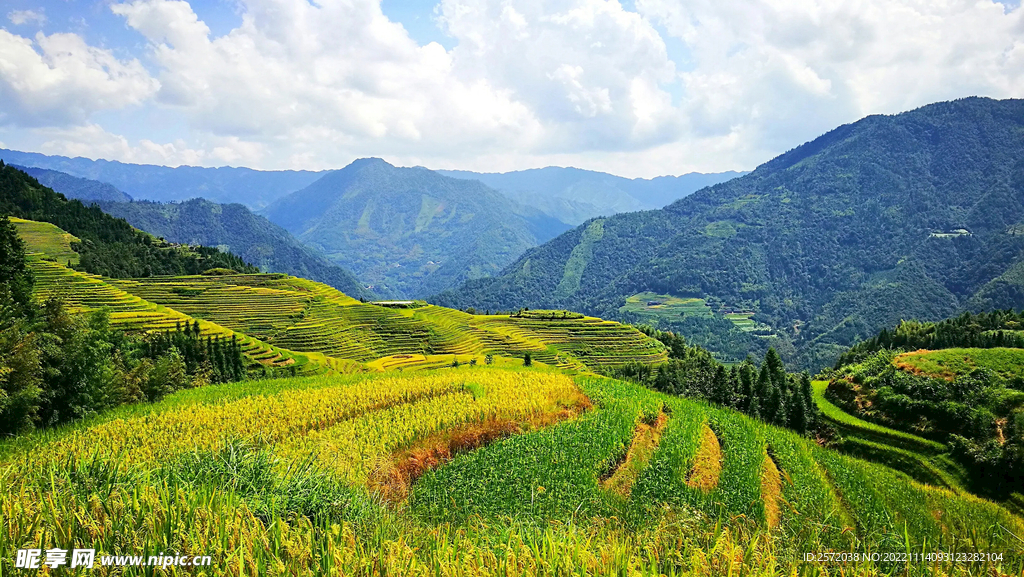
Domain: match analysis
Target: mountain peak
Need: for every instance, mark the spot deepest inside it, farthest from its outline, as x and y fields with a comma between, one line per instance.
x=372, y=161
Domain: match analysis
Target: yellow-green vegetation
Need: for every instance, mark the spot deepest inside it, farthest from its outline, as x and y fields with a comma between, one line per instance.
x=652, y=307
x=85, y=292
x=870, y=430
x=44, y=240
x=921, y=458
x=286, y=322
x=948, y=363
x=302, y=315
x=277, y=478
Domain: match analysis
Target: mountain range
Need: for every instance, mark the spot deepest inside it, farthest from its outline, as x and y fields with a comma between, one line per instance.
x=253, y=188
x=573, y=195
x=411, y=232
x=917, y=215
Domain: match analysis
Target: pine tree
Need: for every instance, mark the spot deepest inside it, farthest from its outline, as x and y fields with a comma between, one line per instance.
x=734, y=383
x=746, y=386
x=798, y=414
x=720, y=387
x=762, y=389
x=807, y=397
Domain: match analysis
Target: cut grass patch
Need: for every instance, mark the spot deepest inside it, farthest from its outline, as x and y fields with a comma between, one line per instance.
x=645, y=443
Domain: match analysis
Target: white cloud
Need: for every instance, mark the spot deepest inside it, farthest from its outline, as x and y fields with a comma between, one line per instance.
x=780, y=72
x=20, y=17
x=302, y=84
x=92, y=141
x=59, y=80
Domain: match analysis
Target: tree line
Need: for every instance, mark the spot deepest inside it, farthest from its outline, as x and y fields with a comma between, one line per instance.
x=108, y=246
x=984, y=330
x=766, y=391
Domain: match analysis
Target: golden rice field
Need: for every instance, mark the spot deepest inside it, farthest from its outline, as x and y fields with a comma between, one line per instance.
x=507, y=472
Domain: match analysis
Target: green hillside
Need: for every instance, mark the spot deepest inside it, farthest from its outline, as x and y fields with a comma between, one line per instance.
x=73, y=187
x=912, y=216
x=286, y=321
x=410, y=232
x=970, y=398
x=234, y=228
x=85, y=292
x=106, y=245
x=476, y=471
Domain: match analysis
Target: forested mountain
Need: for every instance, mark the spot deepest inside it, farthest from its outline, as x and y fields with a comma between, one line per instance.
x=108, y=246
x=82, y=189
x=573, y=195
x=253, y=188
x=233, y=227
x=410, y=232
x=917, y=215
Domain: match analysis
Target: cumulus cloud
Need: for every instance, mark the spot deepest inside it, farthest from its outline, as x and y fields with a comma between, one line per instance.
x=59, y=80
x=341, y=76
x=590, y=83
x=780, y=72
x=20, y=17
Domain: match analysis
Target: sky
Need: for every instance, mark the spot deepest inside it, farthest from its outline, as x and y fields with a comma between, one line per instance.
x=639, y=88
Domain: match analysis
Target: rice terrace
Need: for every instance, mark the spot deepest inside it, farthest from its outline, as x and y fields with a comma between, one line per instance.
x=412, y=441
x=511, y=288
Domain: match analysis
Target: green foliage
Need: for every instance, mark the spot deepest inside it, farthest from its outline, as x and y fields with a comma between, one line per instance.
x=252, y=237
x=833, y=240
x=109, y=246
x=60, y=366
x=999, y=328
x=968, y=398
x=691, y=371
x=408, y=232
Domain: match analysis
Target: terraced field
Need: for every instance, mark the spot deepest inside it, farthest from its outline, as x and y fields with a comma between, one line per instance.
x=306, y=316
x=947, y=363
x=923, y=459
x=478, y=471
x=129, y=312
x=48, y=240
x=653, y=308
x=286, y=322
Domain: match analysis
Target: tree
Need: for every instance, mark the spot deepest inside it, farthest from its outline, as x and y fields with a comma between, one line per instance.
x=807, y=398
x=20, y=372
x=798, y=414
x=15, y=277
x=761, y=392
x=527, y=360
x=720, y=392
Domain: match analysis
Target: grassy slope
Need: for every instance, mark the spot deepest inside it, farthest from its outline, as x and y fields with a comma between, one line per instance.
x=500, y=499
x=45, y=239
x=947, y=363
x=922, y=459
x=286, y=321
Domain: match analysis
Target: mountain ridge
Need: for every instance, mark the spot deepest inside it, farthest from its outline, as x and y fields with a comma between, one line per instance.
x=823, y=242
x=410, y=231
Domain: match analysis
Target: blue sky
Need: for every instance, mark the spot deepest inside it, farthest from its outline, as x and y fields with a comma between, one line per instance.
x=638, y=88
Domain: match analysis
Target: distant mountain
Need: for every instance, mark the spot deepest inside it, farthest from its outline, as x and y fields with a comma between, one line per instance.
x=73, y=187
x=410, y=232
x=253, y=188
x=573, y=195
x=918, y=215
x=233, y=227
